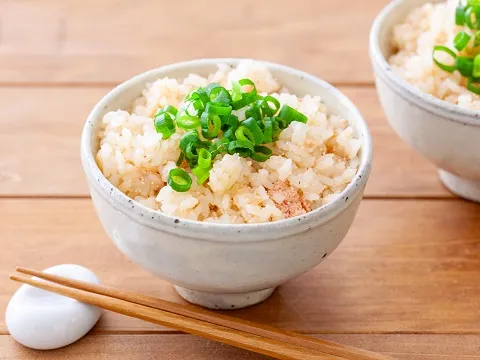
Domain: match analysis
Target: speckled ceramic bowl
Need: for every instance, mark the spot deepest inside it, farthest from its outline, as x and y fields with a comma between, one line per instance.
x=447, y=135
x=219, y=265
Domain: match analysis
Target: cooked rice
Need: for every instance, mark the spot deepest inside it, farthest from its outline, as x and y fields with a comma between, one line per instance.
x=413, y=41
x=315, y=161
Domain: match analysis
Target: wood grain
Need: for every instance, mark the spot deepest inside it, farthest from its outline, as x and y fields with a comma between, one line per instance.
x=187, y=347
x=404, y=267
x=50, y=121
x=60, y=41
x=407, y=266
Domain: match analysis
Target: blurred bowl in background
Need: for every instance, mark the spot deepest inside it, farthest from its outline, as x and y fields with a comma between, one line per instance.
x=446, y=134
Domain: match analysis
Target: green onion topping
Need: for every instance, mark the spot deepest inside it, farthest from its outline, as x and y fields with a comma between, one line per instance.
x=472, y=87
x=204, y=158
x=249, y=130
x=219, y=146
x=188, y=122
x=212, y=127
x=180, y=159
x=471, y=18
x=187, y=138
x=261, y=153
x=289, y=114
x=464, y=65
x=444, y=49
x=476, y=67
x=467, y=14
x=179, y=180
x=244, y=148
x=460, y=15
x=164, y=124
x=461, y=40
x=202, y=174
x=217, y=109
x=268, y=130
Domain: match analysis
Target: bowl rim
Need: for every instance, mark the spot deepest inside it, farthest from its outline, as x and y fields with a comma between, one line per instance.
x=158, y=220
x=424, y=100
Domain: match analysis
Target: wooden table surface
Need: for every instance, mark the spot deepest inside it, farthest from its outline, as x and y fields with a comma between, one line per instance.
x=404, y=282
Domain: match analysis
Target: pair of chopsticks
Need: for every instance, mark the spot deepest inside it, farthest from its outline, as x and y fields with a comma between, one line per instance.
x=244, y=334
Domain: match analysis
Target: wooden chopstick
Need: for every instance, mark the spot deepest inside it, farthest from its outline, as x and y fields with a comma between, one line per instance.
x=204, y=329
x=198, y=313
x=325, y=347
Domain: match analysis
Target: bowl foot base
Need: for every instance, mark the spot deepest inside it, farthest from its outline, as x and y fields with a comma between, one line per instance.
x=467, y=189
x=223, y=301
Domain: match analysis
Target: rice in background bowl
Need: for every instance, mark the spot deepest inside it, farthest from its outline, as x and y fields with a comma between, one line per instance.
x=412, y=42
x=311, y=165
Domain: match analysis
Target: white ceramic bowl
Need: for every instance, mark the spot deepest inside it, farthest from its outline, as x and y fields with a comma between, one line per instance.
x=447, y=135
x=219, y=265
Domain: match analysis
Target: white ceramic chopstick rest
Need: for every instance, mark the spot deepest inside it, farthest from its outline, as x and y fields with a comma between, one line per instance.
x=43, y=320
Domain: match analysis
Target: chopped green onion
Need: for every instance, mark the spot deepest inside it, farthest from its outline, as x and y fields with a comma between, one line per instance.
x=249, y=130
x=471, y=23
x=240, y=133
x=476, y=67
x=471, y=87
x=216, y=109
x=243, y=148
x=230, y=133
x=180, y=159
x=260, y=124
x=261, y=153
x=460, y=15
x=248, y=82
x=179, y=180
x=281, y=123
x=217, y=93
x=268, y=130
x=198, y=94
x=230, y=122
x=464, y=65
x=204, y=158
x=219, y=146
x=164, y=124
x=191, y=152
x=476, y=39
x=211, y=125
x=461, y=40
x=444, y=49
x=247, y=98
x=289, y=114
x=187, y=122
x=210, y=87
x=197, y=106
x=220, y=95
x=187, y=138
x=253, y=111
x=277, y=129
x=270, y=105
x=202, y=174
x=236, y=91
x=169, y=109
x=211, y=109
